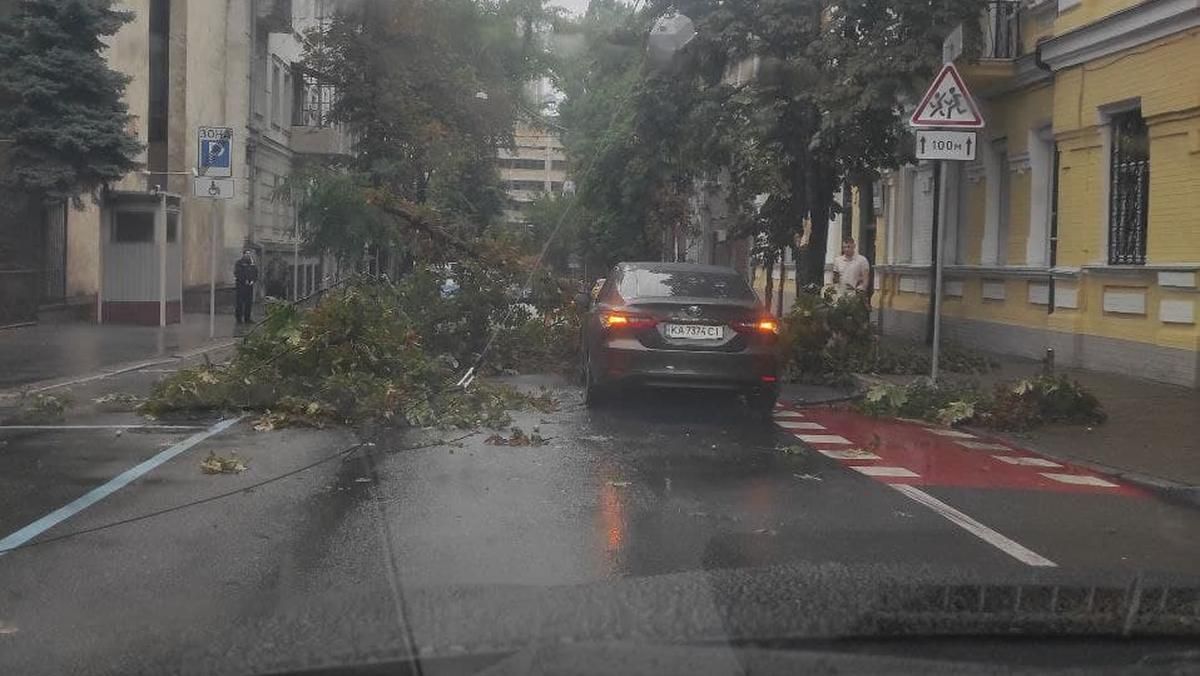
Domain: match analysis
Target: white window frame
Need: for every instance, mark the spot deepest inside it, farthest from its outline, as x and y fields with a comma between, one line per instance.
x=1041, y=195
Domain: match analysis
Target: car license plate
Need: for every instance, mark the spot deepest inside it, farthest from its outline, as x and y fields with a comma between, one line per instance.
x=695, y=332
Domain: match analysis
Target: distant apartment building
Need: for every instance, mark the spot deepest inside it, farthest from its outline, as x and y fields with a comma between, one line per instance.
x=140, y=252
x=535, y=167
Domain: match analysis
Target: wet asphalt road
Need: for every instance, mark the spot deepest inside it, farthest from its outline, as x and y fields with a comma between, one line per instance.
x=667, y=518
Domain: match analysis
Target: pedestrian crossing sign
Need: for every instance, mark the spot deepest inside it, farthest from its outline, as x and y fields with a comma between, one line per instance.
x=947, y=103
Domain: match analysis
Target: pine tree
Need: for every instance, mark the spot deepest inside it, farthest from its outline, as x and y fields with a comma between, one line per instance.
x=61, y=106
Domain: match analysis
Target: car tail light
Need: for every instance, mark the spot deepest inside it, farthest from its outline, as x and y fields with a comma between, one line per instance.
x=765, y=325
x=627, y=320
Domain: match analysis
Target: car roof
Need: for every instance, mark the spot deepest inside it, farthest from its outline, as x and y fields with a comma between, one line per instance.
x=677, y=267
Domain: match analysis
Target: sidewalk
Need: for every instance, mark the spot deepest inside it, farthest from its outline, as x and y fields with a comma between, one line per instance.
x=1149, y=438
x=56, y=350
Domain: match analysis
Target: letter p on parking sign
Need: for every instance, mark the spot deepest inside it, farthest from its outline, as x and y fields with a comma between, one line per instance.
x=214, y=156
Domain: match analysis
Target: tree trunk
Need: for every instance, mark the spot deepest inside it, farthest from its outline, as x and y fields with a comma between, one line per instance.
x=821, y=194
x=782, y=279
x=769, y=292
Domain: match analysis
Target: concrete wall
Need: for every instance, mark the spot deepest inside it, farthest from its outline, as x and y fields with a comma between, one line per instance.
x=209, y=69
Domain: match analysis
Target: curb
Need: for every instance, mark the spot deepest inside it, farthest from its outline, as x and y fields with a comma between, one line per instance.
x=109, y=372
x=1173, y=491
x=801, y=402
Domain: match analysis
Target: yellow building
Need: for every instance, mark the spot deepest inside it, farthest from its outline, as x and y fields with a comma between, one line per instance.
x=1077, y=228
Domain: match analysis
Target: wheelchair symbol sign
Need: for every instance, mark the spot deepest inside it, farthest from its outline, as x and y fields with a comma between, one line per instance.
x=215, y=157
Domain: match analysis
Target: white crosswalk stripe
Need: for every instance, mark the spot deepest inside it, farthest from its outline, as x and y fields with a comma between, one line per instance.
x=823, y=439
x=850, y=454
x=799, y=425
x=875, y=470
x=1079, y=480
x=1027, y=462
x=982, y=446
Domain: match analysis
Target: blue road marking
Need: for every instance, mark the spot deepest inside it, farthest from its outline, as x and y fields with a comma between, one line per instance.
x=112, y=486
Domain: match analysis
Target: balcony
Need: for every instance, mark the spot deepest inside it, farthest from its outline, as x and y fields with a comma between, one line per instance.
x=1000, y=46
x=314, y=131
x=1001, y=27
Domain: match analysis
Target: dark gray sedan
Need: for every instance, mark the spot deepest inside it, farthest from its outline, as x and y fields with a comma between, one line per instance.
x=680, y=325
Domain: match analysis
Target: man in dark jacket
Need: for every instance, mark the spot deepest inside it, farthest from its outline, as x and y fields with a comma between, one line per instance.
x=245, y=274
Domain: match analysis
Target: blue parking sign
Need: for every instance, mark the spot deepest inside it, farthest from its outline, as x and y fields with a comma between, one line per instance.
x=215, y=152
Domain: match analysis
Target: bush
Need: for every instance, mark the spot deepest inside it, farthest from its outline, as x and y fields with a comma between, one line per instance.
x=1013, y=405
x=1045, y=399
x=827, y=338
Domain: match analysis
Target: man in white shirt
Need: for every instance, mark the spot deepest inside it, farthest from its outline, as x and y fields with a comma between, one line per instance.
x=851, y=270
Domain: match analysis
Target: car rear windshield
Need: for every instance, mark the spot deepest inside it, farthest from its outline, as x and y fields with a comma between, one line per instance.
x=684, y=284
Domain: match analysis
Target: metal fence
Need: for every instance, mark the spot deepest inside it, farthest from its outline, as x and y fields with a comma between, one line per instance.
x=1129, y=197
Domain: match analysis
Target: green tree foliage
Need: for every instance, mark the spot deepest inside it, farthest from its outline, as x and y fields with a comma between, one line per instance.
x=430, y=91
x=627, y=129
x=60, y=103
x=825, y=105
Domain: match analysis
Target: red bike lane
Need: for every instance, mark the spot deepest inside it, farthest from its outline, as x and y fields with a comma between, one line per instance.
x=901, y=452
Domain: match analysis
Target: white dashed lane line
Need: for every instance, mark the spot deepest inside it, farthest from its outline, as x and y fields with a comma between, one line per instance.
x=1004, y=544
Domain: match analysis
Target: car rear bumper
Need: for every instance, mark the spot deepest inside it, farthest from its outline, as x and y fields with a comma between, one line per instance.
x=754, y=369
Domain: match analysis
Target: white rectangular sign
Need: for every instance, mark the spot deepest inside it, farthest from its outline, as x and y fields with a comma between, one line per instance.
x=214, y=152
x=213, y=188
x=945, y=145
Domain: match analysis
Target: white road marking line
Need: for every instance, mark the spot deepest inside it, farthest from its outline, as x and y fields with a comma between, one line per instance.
x=788, y=414
x=851, y=454
x=823, y=439
x=1079, y=480
x=983, y=446
x=112, y=486
x=1028, y=462
x=949, y=433
x=101, y=427
x=1004, y=544
x=796, y=425
x=875, y=470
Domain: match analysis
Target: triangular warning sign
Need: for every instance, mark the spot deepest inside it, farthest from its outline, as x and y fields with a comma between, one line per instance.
x=947, y=103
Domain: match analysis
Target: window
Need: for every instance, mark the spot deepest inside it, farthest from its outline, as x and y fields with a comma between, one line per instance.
x=532, y=186
x=260, y=84
x=276, y=94
x=996, y=202
x=518, y=163
x=1129, y=189
x=674, y=283
x=558, y=165
x=134, y=226
x=556, y=187
x=286, y=98
x=172, y=227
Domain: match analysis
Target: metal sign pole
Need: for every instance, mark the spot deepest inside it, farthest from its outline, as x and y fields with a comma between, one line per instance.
x=161, y=232
x=937, y=277
x=212, y=273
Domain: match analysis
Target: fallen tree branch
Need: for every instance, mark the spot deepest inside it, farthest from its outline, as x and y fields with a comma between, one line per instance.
x=412, y=214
